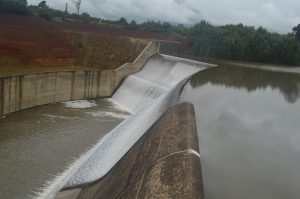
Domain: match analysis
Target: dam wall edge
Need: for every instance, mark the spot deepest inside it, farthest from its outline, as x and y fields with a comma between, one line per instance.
x=24, y=91
x=164, y=163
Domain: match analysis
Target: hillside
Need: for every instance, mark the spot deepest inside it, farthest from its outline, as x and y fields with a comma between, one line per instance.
x=104, y=51
x=32, y=41
x=32, y=44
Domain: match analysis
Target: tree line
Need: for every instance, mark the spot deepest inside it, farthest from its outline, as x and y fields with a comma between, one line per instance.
x=14, y=6
x=235, y=42
x=245, y=43
x=21, y=7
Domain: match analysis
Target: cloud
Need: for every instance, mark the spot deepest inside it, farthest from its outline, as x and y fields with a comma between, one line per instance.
x=275, y=15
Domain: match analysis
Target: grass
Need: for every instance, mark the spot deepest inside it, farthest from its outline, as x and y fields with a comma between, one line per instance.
x=8, y=60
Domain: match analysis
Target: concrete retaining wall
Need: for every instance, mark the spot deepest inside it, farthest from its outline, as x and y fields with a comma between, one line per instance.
x=164, y=163
x=24, y=91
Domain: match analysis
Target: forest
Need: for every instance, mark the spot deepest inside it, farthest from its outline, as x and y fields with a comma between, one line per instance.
x=245, y=43
x=234, y=42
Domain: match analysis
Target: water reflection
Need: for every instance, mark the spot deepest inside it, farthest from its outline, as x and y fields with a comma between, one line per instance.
x=248, y=132
x=250, y=79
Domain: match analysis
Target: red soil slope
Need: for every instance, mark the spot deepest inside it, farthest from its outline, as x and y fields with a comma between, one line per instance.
x=114, y=30
x=104, y=51
x=34, y=41
x=29, y=40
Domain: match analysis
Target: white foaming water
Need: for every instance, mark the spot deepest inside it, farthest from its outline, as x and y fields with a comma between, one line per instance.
x=102, y=114
x=148, y=94
x=59, y=117
x=158, y=76
x=80, y=104
x=136, y=92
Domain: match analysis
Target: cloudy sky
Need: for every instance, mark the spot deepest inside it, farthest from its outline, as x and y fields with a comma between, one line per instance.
x=275, y=15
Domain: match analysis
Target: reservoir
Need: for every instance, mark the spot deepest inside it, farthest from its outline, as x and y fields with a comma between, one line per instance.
x=249, y=131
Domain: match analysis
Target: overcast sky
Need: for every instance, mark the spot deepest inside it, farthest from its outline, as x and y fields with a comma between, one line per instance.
x=275, y=15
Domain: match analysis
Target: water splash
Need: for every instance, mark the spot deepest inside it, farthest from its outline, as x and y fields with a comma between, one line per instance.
x=80, y=104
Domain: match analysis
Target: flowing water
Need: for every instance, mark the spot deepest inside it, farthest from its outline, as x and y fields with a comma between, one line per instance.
x=159, y=76
x=249, y=131
x=38, y=143
x=46, y=148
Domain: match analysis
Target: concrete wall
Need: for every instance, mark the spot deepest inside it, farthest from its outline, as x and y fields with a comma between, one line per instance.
x=119, y=74
x=24, y=91
x=164, y=163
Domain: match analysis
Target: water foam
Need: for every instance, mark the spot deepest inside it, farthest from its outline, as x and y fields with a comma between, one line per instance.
x=110, y=114
x=159, y=75
x=59, y=117
x=80, y=104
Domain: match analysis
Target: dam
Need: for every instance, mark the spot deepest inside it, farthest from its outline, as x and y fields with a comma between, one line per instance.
x=79, y=142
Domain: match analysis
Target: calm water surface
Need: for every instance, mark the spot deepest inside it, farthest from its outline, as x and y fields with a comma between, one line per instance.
x=249, y=132
x=38, y=143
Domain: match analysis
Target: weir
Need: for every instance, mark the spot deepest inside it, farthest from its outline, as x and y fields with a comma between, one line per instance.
x=147, y=103
x=164, y=163
x=152, y=88
x=160, y=74
x=147, y=94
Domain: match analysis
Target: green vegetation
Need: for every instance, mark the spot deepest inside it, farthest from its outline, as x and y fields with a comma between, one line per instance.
x=297, y=32
x=50, y=13
x=239, y=42
x=234, y=42
x=6, y=60
x=43, y=10
x=14, y=6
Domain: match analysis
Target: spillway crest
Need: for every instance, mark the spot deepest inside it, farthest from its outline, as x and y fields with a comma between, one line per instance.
x=159, y=75
x=147, y=94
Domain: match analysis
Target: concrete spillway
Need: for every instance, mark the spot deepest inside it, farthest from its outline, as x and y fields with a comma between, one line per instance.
x=147, y=94
x=158, y=76
x=164, y=163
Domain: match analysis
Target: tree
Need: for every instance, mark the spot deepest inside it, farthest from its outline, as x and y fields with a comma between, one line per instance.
x=85, y=17
x=132, y=25
x=77, y=4
x=244, y=43
x=296, y=30
x=14, y=6
x=43, y=4
x=122, y=21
